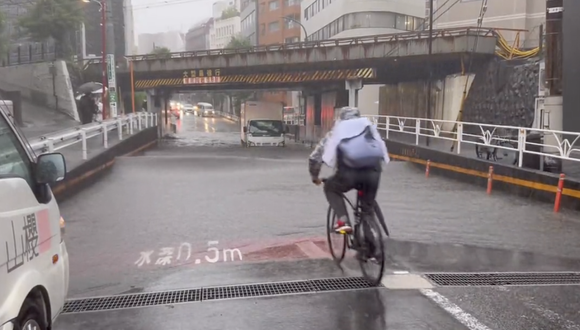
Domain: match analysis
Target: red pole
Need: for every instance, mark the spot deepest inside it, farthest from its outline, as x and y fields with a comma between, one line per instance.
x=489, y=180
x=427, y=168
x=104, y=57
x=559, y=193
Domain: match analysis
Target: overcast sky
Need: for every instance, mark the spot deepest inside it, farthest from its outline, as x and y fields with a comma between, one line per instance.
x=153, y=16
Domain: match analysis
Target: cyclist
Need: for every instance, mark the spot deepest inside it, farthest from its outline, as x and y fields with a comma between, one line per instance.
x=356, y=151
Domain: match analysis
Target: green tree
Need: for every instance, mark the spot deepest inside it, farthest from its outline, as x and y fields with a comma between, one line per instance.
x=55, y=19
x=3, y=37
x=239, y=42
x=162, y=51
x=230, y=12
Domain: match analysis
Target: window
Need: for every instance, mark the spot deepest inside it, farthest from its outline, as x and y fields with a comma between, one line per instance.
x=273, y=5
x=400, y=22
x=14, y=161
x=288, y=3
x=306, y=14
x=385, y=20
x=274, y=26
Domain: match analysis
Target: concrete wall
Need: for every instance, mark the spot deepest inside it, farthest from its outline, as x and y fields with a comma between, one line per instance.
x=35, y=82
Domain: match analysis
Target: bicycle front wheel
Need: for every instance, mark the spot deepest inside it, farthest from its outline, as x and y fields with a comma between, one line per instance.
x=336, y=242
x=372, y=263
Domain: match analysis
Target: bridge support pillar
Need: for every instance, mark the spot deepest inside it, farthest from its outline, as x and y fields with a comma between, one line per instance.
x=353, y=86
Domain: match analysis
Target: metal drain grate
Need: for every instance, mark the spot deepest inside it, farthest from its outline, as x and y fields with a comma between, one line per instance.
x=213, y=293
x=503, y=279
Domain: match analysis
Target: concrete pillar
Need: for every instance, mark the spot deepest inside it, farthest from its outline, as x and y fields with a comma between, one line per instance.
x=353, y=85
x=554, y=116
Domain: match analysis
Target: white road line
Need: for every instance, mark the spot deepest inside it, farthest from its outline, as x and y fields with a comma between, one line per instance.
x=459, y=314
x=553, y=317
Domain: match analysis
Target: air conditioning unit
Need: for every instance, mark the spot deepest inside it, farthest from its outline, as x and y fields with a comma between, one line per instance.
x=542, y=90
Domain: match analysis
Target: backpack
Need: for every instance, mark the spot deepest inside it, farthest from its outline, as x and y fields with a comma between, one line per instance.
x=361, y=151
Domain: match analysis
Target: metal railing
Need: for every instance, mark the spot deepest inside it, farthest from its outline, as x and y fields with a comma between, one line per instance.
x=382, y=38
x=294, y=119
x=486, y=138
x=228, y=116
x=125, y=126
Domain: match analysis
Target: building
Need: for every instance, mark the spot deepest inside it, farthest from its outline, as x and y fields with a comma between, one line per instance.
x=226, y=23
x=332, y=19
x=515, y=14
x=277, y=25
x=93, y=30
x=130, y=44
x=173, y=40
x=249, y=22
x=197, y=38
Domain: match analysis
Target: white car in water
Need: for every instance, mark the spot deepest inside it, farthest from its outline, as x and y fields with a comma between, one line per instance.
x=205, y=109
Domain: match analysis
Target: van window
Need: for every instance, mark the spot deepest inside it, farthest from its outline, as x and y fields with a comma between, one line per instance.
x=14, y=161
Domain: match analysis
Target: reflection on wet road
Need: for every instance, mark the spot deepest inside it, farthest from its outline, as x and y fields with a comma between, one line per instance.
x=201, y=211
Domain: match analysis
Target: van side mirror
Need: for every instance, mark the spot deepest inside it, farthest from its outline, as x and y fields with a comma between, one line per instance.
x=50, y=168
x=245, y=129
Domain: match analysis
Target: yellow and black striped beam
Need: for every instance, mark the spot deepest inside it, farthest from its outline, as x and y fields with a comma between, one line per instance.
x=261, y=78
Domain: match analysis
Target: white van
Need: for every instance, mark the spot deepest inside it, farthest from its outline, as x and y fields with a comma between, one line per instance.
x=205, y=109
x=34, y=263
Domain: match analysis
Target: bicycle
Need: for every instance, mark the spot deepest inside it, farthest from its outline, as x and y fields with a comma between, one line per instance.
x=369, y=246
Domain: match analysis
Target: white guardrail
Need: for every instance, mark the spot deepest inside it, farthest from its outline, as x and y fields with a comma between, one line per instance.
x=125, y=126
x=521, y=140
x=228, y=116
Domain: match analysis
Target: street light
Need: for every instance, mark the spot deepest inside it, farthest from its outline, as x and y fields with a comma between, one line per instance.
x=297, y=22
x=102, y=5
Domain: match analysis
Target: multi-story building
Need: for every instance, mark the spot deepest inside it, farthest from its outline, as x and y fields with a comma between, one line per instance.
x=526, y=15
x=130, y=44
x=332, y=19
x=249, y=21
x=277, y=25
x=173, y=40
x=93, y=31
x=197, y=38
x=226, y=23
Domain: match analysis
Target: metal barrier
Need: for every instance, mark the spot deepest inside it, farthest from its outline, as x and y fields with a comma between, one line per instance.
x=62, y=139
x=228, y=116
x=521, y=140
x=293, y=119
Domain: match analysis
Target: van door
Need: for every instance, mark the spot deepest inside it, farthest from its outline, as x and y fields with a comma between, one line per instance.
x=30, y=238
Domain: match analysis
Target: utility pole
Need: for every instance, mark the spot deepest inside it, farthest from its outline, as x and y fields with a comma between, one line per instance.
x=111, y=66
x=430, y=81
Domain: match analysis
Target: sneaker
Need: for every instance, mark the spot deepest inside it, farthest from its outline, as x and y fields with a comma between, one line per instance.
x=342, y=227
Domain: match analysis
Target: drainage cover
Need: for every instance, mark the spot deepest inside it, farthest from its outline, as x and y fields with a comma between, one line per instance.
x=213, y=293
x=503, y=279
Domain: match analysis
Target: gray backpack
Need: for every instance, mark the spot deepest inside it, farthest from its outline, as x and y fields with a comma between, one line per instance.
x=361, y=151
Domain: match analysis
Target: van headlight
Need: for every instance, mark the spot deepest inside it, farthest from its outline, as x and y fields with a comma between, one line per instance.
x=62, y=228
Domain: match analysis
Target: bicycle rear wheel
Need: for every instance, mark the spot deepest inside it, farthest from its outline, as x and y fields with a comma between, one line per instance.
x=381, y=218
x=336, y=242
x=372, y=263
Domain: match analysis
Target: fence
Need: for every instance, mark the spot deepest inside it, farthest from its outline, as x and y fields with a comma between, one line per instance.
x=31, y=53
x=124, y=126
x=485, y=138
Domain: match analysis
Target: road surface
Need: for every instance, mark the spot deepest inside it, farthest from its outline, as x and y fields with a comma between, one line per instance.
x=200, y=211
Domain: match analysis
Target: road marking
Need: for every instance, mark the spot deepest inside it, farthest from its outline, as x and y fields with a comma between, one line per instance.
x=552, y=316
x=405, y=281
x=311, y=250
x=459, y=314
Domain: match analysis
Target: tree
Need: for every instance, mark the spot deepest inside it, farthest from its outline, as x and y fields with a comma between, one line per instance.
x=54, y=19
x=230, y=12
x=162, y=52
x=3, y=39
x=239, y=42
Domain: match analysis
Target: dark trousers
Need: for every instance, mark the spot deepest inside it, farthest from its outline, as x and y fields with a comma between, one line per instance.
x=346, y=179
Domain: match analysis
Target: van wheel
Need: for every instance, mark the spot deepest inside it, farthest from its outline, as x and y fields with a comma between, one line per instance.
x=30, y=317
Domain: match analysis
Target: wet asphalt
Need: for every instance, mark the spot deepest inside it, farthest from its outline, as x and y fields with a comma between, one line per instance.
x=201, y=211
